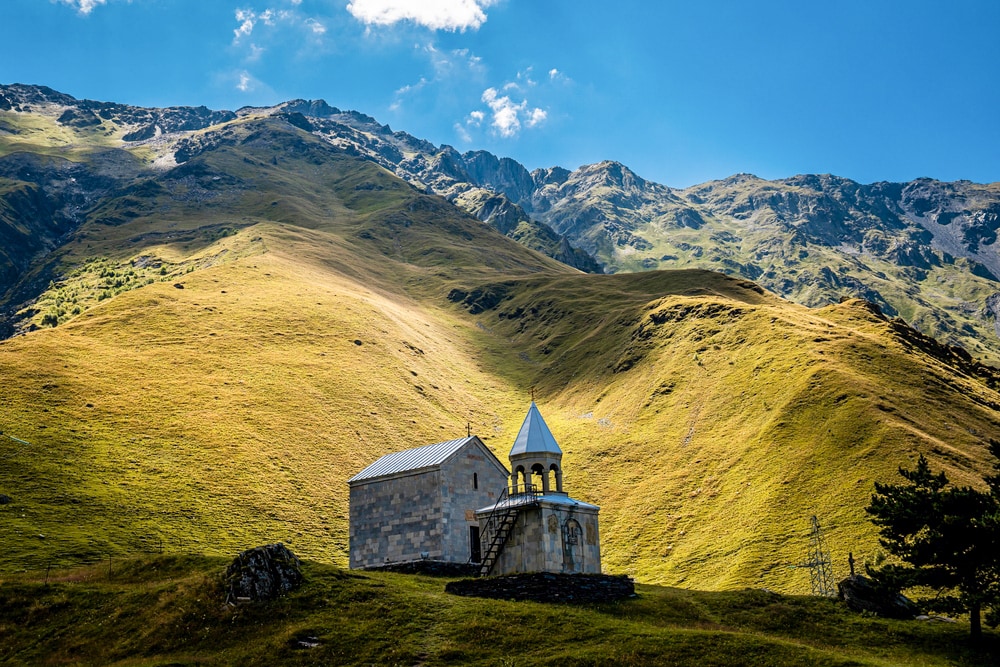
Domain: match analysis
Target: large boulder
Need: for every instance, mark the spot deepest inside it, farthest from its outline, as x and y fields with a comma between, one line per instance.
x=861, y=594
x=262, y=573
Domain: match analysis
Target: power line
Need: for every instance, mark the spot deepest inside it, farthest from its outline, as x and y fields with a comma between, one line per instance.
x=24, y=444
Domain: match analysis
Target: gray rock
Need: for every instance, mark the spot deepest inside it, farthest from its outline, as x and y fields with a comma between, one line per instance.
x=861, y=594
x=262, y=573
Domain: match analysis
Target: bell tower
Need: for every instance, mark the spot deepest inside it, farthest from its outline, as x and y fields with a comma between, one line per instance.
x=534, y=526
x=535, y=458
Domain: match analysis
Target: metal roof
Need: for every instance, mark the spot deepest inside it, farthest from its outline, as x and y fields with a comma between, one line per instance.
x=534, y=436
x=408, y=460
x=528, y=499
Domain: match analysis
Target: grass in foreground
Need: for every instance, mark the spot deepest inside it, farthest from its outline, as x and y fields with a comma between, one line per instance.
x=169, y=610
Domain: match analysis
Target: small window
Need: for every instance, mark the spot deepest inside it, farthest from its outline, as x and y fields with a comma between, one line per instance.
x=475, y=480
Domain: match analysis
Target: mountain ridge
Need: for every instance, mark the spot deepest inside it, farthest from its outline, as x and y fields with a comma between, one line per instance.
x=875, y=241
x=220, y=341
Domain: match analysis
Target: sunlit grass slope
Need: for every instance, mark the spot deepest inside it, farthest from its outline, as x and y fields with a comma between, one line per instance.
x=227, y=402
x=260, y=323
x=710, y=420
x=169, y=611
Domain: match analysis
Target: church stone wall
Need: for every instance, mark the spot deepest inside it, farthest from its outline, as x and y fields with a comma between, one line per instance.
x=397, y=519
x=552, y=538
x=461, y=474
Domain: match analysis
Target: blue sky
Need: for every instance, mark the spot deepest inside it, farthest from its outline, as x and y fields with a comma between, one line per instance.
x=682, y=92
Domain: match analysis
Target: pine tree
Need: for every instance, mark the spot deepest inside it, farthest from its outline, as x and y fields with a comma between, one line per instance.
x=946, y=538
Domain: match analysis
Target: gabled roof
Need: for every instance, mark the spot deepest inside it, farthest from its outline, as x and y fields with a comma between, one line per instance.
x=419, y=458
x=534, y=436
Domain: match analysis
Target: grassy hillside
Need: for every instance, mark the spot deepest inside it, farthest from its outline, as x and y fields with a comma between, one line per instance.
x=225, y=397
x=237, y=336
x=710, y=419
x=169, y=611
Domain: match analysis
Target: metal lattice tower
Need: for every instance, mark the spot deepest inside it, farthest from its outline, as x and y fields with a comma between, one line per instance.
x=820, y=573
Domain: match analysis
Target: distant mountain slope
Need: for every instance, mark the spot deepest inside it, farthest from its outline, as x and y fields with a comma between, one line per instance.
x=924, y=250
x=162, y=135
x=222, y=325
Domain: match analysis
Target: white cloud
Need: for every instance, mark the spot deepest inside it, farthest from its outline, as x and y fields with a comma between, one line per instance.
x=265, y=24
x=463, y=133
x=247, y=19
x=245, y=83
x=315, y=26
x=473, y=120
x=434, y=14
x=451, y=68
x=556, y=76
x=535, y=117
x=255, y=53
x=406, y=90
x=449, y=63
x=84, y=6
x=507, y=115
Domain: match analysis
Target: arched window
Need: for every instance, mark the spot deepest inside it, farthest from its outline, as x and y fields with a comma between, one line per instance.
x=573, y=554
x=554, y=469
x=539, y=469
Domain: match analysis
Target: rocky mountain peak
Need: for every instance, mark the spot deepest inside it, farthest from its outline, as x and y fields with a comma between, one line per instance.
x=615, y=174
x=551, y=176
x=21, y=95
x=925, y=248
x=502, y=175
x=312, y=108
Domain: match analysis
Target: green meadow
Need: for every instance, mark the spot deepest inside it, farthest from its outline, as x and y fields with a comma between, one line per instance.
x=169, y=611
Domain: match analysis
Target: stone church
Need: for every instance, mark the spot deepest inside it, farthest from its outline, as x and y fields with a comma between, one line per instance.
x=455, y=502
x=420, y=503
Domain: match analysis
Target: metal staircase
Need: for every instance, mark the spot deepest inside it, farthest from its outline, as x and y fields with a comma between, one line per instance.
x=500, y=524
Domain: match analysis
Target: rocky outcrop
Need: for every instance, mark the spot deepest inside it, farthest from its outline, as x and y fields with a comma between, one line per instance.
x=144, y=123
x=862, y=595
x=502, y=175
x=262, y=573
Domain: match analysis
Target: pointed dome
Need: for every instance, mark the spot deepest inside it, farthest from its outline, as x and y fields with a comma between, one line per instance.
x=534, y=436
